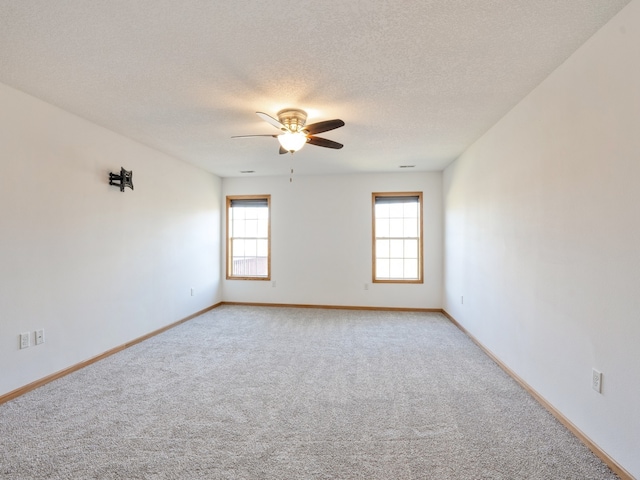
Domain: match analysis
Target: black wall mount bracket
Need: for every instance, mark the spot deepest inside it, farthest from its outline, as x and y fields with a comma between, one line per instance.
x=124, y=179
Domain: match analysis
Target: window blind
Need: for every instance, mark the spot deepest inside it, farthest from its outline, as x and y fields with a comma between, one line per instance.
x=249, y=202
x=383, y=200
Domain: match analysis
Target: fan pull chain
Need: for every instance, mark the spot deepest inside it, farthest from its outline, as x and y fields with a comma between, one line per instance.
x=291, y=176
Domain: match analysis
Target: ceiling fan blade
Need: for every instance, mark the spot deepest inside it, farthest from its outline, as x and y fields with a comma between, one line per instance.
x=282, y=150
x=324, y=126
x=323, y=142
x=271, y=120
x=245, y=136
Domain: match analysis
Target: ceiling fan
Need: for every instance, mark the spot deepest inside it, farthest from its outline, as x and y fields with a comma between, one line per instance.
x=294, y=134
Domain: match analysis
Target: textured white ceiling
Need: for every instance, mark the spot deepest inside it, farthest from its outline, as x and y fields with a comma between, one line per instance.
x=416, y=82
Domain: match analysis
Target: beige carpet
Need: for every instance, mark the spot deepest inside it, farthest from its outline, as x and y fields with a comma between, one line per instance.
x=283, y=393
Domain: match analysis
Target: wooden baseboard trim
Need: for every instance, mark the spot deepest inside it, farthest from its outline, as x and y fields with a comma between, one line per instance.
x=601, y=454
x=336, y=307
x=54, y=376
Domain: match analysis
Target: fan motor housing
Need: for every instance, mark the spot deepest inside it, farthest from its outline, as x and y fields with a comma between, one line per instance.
x=293, y=118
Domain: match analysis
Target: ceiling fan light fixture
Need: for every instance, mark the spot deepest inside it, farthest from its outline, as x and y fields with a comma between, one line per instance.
x=292, y=141
x=295, y=133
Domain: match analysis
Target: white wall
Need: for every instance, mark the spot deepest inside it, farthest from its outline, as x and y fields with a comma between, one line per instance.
x=93, y=266
x=321, y=241
x=542, y=237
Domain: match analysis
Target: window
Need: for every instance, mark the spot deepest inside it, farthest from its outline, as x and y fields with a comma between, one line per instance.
x=248, y=237
x=397, y=237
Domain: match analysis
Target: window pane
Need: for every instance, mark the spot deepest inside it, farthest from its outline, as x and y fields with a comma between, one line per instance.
x=238, y=248
x=382, y=248
x=262, y=248
x=382, y=268
x=238, y=213
x=382, y=228
x=261, y=266
x=410, y=227
x=410, y=249
x=240, y=266
x=395, y=210
x=395, y=227
x=263, y=228
x=238, y=228
x=382, y=210
x=411, y=268
x=250, y=248
x=411, y=209
x=251, y=228
x=263, y=213
x=252, y=213
x=396, y=248
x=396, y=268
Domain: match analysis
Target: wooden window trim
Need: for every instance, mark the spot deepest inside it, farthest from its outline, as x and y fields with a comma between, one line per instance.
x=228, y=259
x=420, y=278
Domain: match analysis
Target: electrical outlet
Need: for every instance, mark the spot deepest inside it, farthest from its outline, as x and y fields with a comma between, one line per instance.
x=366, y=286
x=273, y=283
x=596, y=380
x=461, y=299
x=25, y=340
x=193, y=291
x=39, y=336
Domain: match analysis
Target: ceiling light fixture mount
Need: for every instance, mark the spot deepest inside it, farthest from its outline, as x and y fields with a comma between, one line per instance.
x=293, y=119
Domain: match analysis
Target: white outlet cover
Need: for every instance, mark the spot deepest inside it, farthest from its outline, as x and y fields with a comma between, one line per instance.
x=25, y=340
x=39, y=336
x=596, y=381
